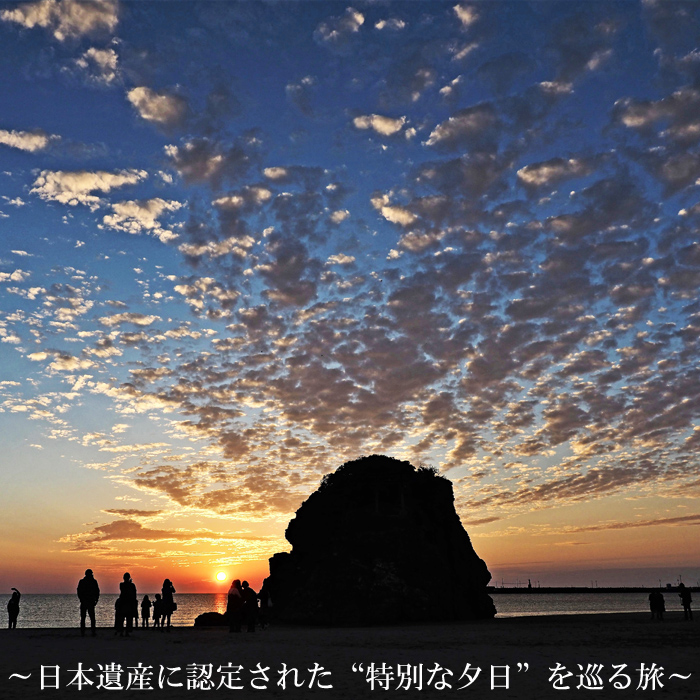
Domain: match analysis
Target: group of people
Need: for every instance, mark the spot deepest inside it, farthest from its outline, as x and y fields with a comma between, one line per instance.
x=126, y=607
x=242, y=607
x=657, y=604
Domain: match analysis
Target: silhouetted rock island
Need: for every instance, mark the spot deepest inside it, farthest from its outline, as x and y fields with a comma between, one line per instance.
x=379, y=542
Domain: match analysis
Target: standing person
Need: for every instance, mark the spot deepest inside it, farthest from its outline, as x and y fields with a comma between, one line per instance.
x=88, y=595
x=234, y=606
x=657, y=605
x=250, y=606
x=157, y=611
x=168, y=602
x=686, y=600
x=118, y=618
x=145, y=611
x=128, y=602
x=654, y=603
x=265, y=601
x=13, y=609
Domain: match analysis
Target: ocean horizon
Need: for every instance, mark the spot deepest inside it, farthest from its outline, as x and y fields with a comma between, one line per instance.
x=49, y=610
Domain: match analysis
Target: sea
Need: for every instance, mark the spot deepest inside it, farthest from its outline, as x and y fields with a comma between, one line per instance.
x=50, y=610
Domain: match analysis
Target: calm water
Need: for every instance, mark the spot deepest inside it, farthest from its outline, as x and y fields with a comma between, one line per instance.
x=518, y=604
x=63, y=610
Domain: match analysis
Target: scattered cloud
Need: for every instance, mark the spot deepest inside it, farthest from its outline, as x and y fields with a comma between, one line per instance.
x=552, y=172
x=385, y=126
x=66, y=19
x=99, y=66
x=466, y=14
x=337, y=31
x=78, y=187
x=30, y=141
x=142, y=216
x=393, y=23
x=203, y=160
x=132, y=317
x=161, y=108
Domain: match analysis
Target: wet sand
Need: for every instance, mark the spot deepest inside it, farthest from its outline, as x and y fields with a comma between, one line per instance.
x=540, y=642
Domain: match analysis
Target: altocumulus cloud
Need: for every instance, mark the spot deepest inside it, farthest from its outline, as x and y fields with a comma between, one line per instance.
x=30, y=141
x=523, y=313
x=78, y=187
x=66, y=19
x=162, y=108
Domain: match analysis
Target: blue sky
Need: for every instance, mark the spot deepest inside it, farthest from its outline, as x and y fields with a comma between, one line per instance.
x=244, y=242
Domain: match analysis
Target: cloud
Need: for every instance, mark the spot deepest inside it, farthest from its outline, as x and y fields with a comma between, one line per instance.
x=679, y=109
x=30, y=141
x=133, y=512
x=341, y=259
x=100, y=66
x=135, y=318
x=137, y=217
x=583, y=41
x=63, y=362
x=473, y=126
x=66, y=19
x=336, y=32
x=575, y=487
x=393, y=23
x=339, y=216
x=202, y=160
x=394, y=213
x=466, y=14
x=276, y=173
x=248, y=198
x=162, y=108
x=553, y=171
x=386, y=126
x=253, y=492
x=290, y=272
x=299, y=94
x=206, y=295
x=132, y=530
x=235, y=245
x=680, y=520
x=77, y=187
x=16, y=276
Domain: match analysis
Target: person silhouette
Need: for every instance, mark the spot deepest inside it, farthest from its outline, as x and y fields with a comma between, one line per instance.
x=168, y=602
x=657, y=605
x=13, y=609
x=88, y=595
x=250, y=606
x=118, y=617
x=265, y=599
x=234, y=606
x=686, y=600
x=128, y=604
x=157, y=611
x=145, y=611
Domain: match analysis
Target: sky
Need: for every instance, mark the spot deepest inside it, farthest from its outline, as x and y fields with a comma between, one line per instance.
x=245, y=242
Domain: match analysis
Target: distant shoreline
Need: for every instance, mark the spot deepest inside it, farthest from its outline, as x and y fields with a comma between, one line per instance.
x=525, y=618
x=587, y=589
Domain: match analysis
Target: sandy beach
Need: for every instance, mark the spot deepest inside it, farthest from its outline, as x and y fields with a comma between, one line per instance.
x=614, y=640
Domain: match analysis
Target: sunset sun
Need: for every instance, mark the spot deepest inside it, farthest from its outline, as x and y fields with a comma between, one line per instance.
x=221, y=576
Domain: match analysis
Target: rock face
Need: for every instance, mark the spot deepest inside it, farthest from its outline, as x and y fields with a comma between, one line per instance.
x=211, y=619
x=378, y=542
